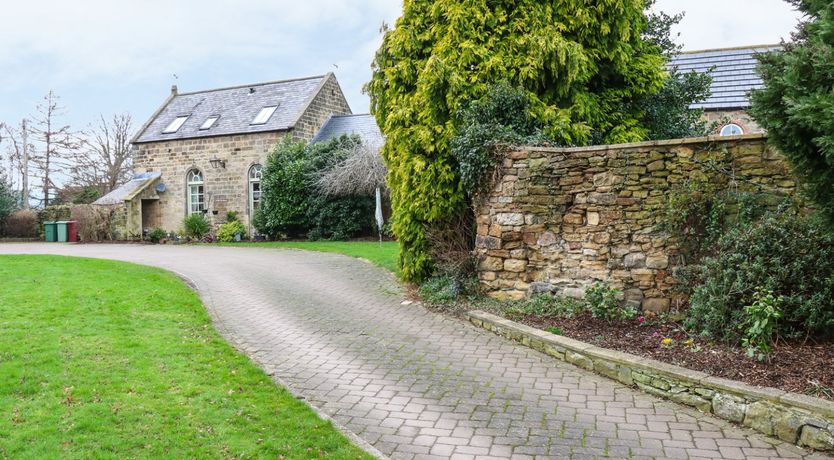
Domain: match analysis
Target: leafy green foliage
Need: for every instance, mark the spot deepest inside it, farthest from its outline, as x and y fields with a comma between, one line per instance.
x=502, y=117
x=667, y=112
x=292, y=205
x=226, y=233
x=8, y=200
x=785, y=253
x=285, y=191
x=697, y=214
x=582, y=64
x=156, y=235
x=232, y=216
x=796, y=104
x=545, y=306
x=439, y=290
x=555, y=330
x=761, y=324
x=603, y=303
x=668, y=115
x=196, y=226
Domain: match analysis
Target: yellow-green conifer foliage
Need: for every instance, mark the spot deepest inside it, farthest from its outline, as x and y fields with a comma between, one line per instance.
x=583, y=63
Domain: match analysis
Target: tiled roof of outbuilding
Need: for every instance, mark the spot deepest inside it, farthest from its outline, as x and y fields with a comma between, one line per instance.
x=363, y=125
x=733, y=73
x=236, y=107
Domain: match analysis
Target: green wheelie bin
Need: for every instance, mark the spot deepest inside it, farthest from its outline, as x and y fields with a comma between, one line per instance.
x=50, y=232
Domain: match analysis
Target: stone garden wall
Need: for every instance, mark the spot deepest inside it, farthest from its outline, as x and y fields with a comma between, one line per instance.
x=561, y=219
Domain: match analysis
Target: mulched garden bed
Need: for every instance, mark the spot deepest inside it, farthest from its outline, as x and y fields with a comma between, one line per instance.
x=801, y=368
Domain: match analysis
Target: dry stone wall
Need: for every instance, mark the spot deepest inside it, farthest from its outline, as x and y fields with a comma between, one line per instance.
x=562, y=219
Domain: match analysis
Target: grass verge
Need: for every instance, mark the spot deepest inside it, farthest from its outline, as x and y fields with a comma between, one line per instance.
x=103, y=359
x=381, y=254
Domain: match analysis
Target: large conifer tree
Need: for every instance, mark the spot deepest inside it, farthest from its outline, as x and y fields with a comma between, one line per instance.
x=796, y=107
x=583, y=64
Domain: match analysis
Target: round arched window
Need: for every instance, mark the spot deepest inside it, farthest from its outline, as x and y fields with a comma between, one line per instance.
x=195, y=192
x=732, y=129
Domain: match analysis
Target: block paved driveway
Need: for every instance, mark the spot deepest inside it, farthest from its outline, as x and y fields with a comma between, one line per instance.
x=416, y=384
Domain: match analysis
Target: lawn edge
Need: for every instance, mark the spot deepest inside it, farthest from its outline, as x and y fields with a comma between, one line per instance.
x=791, y=417
x=208, y=302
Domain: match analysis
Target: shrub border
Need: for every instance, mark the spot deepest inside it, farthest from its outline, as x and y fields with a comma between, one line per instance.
x=798, y=419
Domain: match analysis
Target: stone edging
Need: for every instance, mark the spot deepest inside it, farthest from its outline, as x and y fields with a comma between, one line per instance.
x=802, y=420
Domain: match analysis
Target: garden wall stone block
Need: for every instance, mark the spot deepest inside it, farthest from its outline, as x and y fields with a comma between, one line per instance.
x=601, y=208
x=794, y=418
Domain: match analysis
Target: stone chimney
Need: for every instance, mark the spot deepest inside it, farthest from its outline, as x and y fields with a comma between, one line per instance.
x=173, y=90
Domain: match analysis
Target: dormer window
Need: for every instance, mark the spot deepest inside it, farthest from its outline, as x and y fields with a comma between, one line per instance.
x=264, y=115
x=209, y=122
x=175, y=125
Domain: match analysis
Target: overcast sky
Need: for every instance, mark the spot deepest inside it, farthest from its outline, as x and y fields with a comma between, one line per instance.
x=108, y=56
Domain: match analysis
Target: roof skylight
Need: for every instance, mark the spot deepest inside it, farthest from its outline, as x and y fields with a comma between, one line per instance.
x=209, y=122
x=175, y=125
x=264, y=115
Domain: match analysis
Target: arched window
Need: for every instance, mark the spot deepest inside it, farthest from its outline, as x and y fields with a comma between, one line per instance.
x=732, y=129
x=195, y=192
x=255, y=174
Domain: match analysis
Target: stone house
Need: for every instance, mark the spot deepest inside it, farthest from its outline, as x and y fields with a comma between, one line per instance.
x=734, y=75
x=202, y=152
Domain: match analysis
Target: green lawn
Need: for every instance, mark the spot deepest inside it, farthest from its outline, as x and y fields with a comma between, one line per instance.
x=103, y=359
x=384, y=254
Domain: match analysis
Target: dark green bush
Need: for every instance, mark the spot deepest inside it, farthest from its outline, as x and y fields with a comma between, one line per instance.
x=784, y=253
x=8, y=200
x=292, y=206
x=284, y=200
x=156, y=235
x=196, y=226
x=500, y=118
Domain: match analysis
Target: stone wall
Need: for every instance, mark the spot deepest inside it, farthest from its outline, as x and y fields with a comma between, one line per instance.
x=791, y=417
x=739, y=117
x=561, y=219
x=329, y=101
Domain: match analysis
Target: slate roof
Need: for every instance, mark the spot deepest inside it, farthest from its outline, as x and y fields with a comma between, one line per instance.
x=236, y=106
x=128, y=190
x=733, y=73
x=363, y=125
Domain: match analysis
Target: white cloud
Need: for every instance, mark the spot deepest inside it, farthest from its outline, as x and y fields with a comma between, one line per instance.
x=104, y=56
x=722, y=23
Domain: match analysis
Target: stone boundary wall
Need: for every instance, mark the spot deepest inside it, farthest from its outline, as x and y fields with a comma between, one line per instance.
x=561, y=219
x=798, y=419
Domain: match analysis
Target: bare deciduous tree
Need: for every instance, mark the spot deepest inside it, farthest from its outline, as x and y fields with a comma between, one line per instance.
x=360, y=173
x=17, y=153
x=104, y=161
x=55, y=143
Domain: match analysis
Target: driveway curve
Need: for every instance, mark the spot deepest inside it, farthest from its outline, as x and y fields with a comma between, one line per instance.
x=416, y=384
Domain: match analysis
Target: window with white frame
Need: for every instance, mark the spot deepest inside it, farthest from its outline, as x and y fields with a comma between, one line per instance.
x=732, y=129
x=196, y=192
x=264, y=115
x=175, y=125
x=255, y=174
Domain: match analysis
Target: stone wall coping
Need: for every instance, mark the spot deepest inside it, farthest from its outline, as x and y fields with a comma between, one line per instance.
x=632, y=145
x=809, y=403
x=534, y=338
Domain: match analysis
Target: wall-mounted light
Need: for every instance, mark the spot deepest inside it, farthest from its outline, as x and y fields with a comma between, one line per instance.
x=217, y=163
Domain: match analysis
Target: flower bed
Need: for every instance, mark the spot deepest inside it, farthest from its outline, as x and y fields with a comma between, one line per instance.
x=806, y=368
